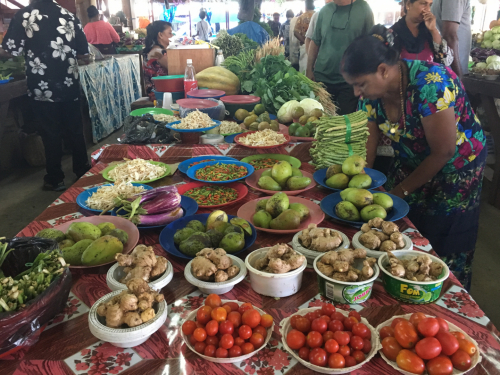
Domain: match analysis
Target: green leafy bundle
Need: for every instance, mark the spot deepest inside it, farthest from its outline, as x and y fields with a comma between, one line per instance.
x=247, y=42
x=231, y=45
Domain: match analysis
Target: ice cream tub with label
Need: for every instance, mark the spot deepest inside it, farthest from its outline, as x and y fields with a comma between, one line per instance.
x=349, y=292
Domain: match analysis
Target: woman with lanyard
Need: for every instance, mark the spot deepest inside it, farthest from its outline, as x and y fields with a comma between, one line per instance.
x=203, y=28
x=438, y=141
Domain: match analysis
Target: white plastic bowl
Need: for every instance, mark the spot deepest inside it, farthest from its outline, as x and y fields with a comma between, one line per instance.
x=312, y=254
x=375, y=253
x=116, y=273
x=273, y=284
x=207, y=287
x=125, y=337
x=285, y=327
x=475, y=359
x=192, y=316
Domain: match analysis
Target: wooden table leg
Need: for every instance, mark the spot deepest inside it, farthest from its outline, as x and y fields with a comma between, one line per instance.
x=494, y=123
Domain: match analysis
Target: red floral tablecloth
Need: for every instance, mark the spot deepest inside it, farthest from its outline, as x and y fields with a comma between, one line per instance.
x=66, y=345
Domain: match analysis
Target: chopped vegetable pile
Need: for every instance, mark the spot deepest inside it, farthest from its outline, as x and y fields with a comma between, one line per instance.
x=136, y=170
x=212, y=195
x=221, y=172
x=104, y=197
x=263, y=163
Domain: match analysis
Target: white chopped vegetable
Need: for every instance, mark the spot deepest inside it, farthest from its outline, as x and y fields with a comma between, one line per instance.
x=229, y=127
x=136, y=170
x=165, y=118
x=195, y=120
x=265, y=137
x=104, y=197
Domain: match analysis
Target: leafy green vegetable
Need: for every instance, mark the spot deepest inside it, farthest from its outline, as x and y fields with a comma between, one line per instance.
x=231, y=45
x=247, y=42
x=12, y=66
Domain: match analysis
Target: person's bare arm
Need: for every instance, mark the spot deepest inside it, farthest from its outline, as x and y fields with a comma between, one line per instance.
x=163, y=61
x=450, y=33
x=299, y=36
x=430, y=23
x=308, y=42
x=372, y=144
x=440, y=132
x=312, y=55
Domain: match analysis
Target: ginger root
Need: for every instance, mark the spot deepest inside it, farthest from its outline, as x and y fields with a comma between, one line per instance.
x=213, y=265
x=339, y=265
x=318, y=239
x=365, y=228
x=141, y=263
x=147, y=314
x=375, y=222
x=397, y=238
x=389, y=237
x=280, y=258
x=370, y=241
x=325, y=269
x=388, y=227
x=388, y=246
x=202, y=268
x=132, y=319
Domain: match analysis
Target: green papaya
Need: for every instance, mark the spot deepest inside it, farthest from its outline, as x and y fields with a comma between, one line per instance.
x=101, y=251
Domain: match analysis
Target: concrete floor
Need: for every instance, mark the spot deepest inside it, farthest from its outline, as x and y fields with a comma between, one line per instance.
x=21, y=200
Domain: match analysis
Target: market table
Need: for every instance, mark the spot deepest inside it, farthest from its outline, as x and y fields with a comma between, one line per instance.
x=66, y=346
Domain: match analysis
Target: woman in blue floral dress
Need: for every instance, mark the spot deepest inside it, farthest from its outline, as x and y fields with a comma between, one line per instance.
x=438, y=141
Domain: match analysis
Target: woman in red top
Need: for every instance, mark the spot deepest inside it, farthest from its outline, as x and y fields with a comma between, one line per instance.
x=100, y=33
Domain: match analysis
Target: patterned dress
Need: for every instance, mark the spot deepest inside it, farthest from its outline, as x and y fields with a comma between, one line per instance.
x=152, y=68
x=445, y=209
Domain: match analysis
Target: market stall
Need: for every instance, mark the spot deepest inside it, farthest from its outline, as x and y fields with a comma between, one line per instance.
x=66, y=345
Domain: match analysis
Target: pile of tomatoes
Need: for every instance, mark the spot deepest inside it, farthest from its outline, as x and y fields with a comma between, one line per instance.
x=227, y=330
x=327, y=338
x=426, y=343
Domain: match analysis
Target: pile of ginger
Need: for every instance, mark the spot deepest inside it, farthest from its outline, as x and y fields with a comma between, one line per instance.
x=338, y=265
x=320, y=239
x=132, y=307
x=141, y=263
x=280, y=258
x=415, y=268
x=387, y=238
x=213, y=265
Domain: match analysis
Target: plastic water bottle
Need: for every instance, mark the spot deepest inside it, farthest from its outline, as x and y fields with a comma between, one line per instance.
x=190, y=82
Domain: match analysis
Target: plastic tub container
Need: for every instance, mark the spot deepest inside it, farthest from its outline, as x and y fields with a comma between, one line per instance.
x=207, y=287
x=125, y=337
x=235, y=102
x=206, y=94
x=213, y=108
x=375, y=253
x=416, y=292
x=349, y=292
x=311, y=254
x=116, y=273
x=169, y=83
x=273, y=284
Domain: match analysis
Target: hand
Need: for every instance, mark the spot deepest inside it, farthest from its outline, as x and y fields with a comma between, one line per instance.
x=430, y=21
x=398, y=192
x=310, y=75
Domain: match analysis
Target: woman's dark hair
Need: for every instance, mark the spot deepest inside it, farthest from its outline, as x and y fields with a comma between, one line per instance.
x=309, y=4
x=92, y=11
x=367, y=52
x=152, y=34
x=289, y=13
x=203, y=14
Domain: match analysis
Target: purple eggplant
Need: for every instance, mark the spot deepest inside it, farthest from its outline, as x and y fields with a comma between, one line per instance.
x=163, y=202
x=151, y=194
x=159, y=219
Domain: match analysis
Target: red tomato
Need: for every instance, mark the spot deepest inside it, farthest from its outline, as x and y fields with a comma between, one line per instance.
x=210, y=351
x=310, y=316
x=331, y=346
x=212, y=340
x=244, y=307
x=350, y=322
x=359, y=356
x=341, y=337
x=235, y=351
x=319, y=325
x=226, y=341
x=326, y=318
x=396, y=321
x=200, y=334
x=367, y=346
x=192, y=340
x=318, y=357
x=328, y=335
x=212, y=328
x=221, y=353
x=443, y=325
x=448, y=342
x=199, y=325
x=226, y=327
x=213, y=300
x=257, y=340
x=391, y=348
x=386, y=331
x=227, y=308
x=219, y=314
x=350, y=361
x=338, y=316
x=295, y=339
x=458, y=335
x=336, y=360
x=261, y=330
x=440, y=366
x=409, y=361
x=349, y=333
x=361, y=330
x=188, y=327
x=355, y=314
x=461, y=360
x=314, y=339
x=239, y=341
x=415, y=318
x=428, y=327
x=266, y=321
x=293, y=321
x=303, y=325
x=235, y=318
x=304, y=353
x=406, y=334
x=428, y=348
x=251, y=318
x=356, y=343
x=335, y=325
x=203, y=315
x=344, y=350
x=245, y=332
x=247, y=348
x=200, y=347
x=467, y=346
x=233, y=305
x=327, y=309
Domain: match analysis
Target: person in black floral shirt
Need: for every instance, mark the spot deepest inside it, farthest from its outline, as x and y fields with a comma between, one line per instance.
x=51, y=38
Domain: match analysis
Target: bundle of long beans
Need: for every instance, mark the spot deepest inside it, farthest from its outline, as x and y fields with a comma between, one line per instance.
x=338, y=137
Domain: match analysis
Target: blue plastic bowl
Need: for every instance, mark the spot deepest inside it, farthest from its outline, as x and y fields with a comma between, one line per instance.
x=84, y=195
x=167, y=235
x=169, y=126
x=184, y=166
x=230, y=138
x=378, y=178
x=192, y=171
x=399, y=210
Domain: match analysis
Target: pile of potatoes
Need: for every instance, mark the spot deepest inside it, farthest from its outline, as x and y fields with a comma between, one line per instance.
x=381, y=235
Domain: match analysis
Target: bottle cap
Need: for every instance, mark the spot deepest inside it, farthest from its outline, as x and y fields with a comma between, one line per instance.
x=189, y=61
